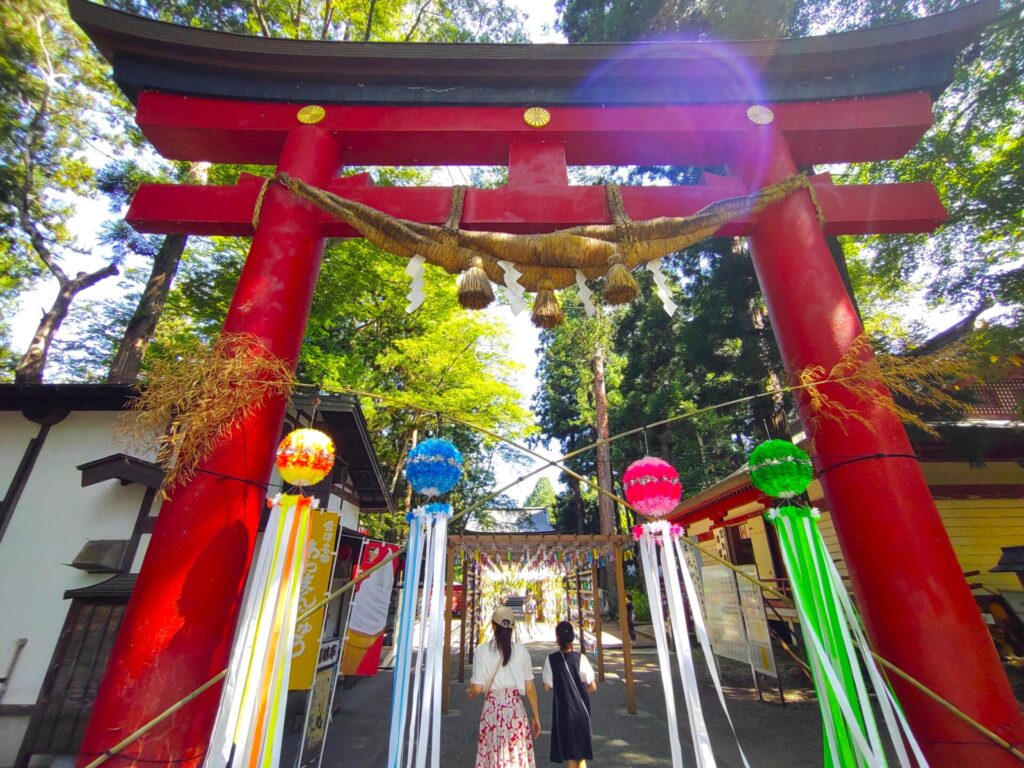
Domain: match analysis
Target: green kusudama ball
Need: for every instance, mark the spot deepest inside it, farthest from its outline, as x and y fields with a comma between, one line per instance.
x=780, y=469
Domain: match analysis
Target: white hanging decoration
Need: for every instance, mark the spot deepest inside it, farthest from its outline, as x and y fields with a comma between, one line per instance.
x=516, y=301
x=661, y=558
x=664, y=292
x=415, y=297
x=420, y=715
x=586, y=295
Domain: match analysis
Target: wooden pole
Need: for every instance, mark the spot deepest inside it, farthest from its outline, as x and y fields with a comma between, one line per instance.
x=579, y=610
x=627, y=650
x=467, y=572
x=597, y=620
x=474, y=632
x=446, y=689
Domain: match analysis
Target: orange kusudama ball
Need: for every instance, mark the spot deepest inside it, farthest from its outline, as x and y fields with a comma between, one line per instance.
x=305, y=457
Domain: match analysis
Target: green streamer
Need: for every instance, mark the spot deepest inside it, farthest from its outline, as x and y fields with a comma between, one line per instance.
x=806, y=558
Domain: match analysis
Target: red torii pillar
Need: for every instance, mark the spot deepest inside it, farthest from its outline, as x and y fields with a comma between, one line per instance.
x=177, y=630
x=910, y=588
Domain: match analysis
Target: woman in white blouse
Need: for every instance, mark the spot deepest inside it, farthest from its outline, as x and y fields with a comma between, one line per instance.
x=503, y=672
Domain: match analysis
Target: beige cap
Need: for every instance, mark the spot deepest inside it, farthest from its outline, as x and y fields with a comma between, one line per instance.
x=503, y=616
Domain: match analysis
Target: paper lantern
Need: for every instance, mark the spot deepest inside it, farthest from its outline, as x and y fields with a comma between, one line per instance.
x=652, y=486
x=305, y=457
x=434, y=467
x=780, y=469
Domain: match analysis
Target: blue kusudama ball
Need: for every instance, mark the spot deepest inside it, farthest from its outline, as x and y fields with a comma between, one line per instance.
x=434, y=467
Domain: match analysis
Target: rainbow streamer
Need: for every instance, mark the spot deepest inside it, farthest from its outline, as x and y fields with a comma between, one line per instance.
x=250, y=719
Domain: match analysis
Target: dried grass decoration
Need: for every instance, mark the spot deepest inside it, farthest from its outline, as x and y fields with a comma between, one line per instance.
x=545, y=262
x=924, y=382
x=190, y=402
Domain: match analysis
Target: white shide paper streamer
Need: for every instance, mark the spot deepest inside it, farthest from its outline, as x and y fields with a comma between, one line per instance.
x=513, y=289
x=414, y=269
x=664, y=292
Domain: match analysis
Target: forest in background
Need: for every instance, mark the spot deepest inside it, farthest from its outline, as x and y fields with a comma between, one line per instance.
x=66, y=136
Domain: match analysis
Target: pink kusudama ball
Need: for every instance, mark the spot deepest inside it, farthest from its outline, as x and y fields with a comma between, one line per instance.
x=652, y=486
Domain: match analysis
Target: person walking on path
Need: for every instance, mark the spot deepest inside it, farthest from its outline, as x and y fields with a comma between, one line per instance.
x=571, y=677
x=630, y=618
x=530, y=613
x=503, y=672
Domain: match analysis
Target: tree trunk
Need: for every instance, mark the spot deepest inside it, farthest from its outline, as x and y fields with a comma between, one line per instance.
x=577, y=499
x=127, y=363
x=30, y=368
x=605, y=504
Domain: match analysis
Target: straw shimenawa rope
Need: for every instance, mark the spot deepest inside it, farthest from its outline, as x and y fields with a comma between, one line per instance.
x=546, y=261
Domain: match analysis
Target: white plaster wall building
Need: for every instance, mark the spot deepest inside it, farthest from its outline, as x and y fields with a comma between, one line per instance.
x=66, y=480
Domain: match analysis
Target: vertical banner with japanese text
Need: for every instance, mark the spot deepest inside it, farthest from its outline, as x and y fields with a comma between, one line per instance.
x=316, y=582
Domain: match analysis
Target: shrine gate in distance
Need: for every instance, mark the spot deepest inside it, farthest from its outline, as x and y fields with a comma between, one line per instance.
x=761, y=110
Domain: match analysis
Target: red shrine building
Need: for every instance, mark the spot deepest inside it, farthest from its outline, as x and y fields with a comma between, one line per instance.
x=756, y=112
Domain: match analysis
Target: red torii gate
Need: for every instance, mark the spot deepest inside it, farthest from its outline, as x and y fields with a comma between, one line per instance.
x=762, y=110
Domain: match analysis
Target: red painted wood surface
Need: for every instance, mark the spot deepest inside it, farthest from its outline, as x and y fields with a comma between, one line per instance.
x=178, y=626
x=915, y=602
x=223, y=131
x=528, y=207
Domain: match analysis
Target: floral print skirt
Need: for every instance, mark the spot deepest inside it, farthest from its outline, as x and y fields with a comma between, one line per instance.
x=505, y=740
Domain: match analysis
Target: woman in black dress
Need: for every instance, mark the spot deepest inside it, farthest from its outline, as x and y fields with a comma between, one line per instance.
x=571, y=677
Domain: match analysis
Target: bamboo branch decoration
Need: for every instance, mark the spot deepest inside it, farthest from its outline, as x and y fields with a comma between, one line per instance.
x=189, y=403
x=923, y=381
x=546, y=262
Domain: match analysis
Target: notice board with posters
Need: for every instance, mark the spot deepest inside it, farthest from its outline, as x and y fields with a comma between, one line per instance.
x=735, y=617
x=723, y=615
x=368, y=614
x=755, y=622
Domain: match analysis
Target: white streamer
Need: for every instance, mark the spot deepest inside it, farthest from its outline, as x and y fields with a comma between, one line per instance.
x=403, y=640
x=664, y=292
x=421, y=648
x=415, y=297
x=586, y=295
x=513, y=288
x=649, y=563
x=705, y=643
x=684, y=654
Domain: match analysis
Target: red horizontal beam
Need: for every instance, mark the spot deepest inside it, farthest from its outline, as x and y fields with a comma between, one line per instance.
x=234, y=131
x=228, y=210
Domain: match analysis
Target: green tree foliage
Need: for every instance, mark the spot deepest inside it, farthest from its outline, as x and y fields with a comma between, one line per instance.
x=542, y=495
x=58, y=111
x=975, y=157
x=366, y=20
